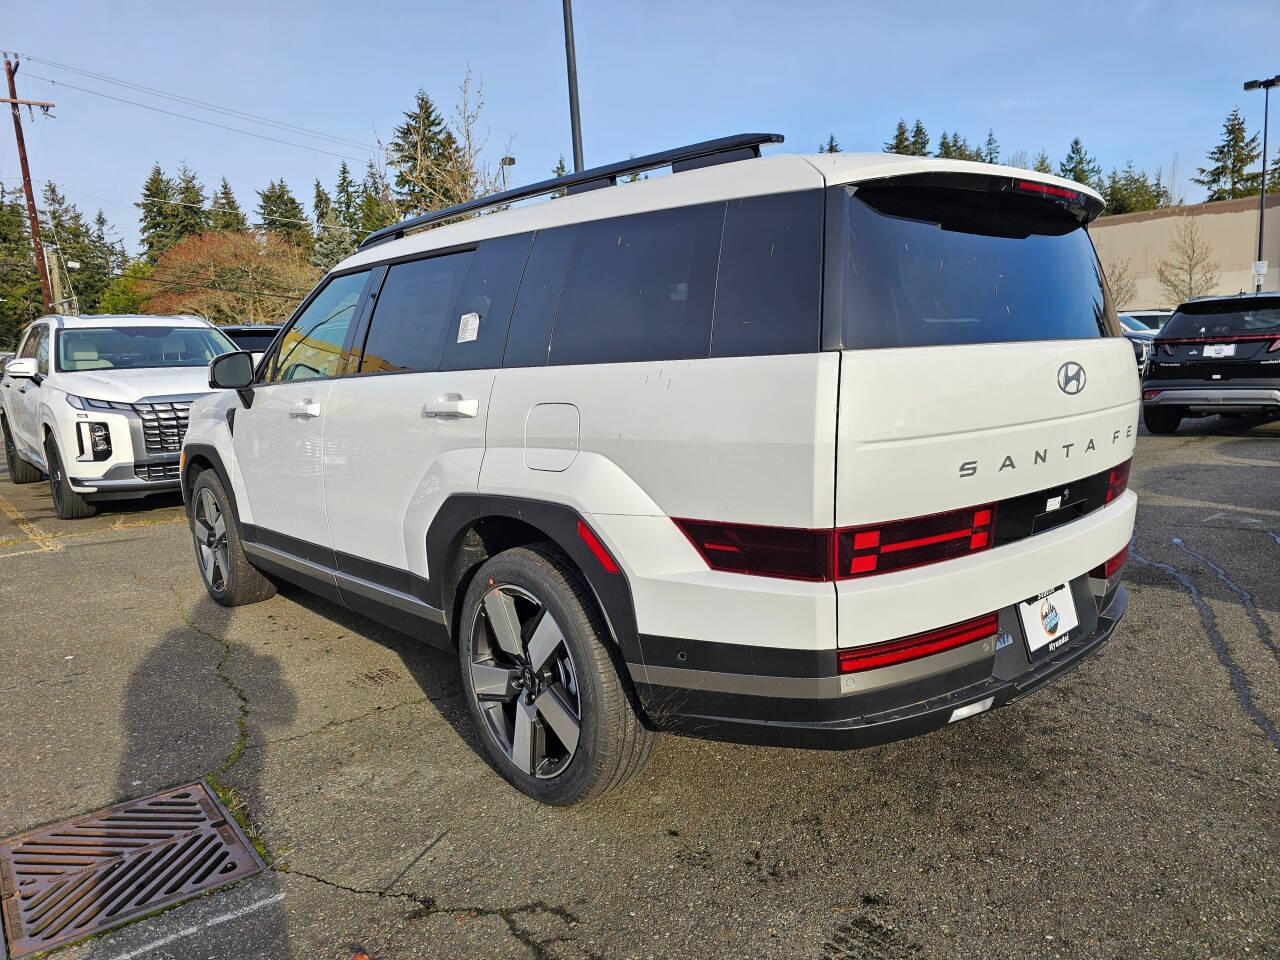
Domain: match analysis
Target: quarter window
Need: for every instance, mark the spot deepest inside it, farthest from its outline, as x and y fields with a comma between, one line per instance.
x=640, y=288
x=535, y=308
x=313, y=346
x=412, y=314
x=477, y=327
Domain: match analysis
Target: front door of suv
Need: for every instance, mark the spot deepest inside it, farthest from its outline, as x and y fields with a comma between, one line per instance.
x=408, y=431
x=277, y=437
x=24, y=395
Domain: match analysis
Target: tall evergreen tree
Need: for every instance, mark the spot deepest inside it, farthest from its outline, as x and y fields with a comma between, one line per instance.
x=1229, y=176
x=991, y=150
x=321, y=204
x=919, y=140
x=901, y=142
x=830, y=146
x=76, y=240
x=280, y=212
x=1130, y=190
x=418, y=151
x=346, y=198
x=156, y=223
x=334, y=243
x=1273, y=174
x=189, y=214
x=1080, y=166
x=559, y=170
x=20, y=299
x=1042, y=163
x=377, y=203
x=224, y=211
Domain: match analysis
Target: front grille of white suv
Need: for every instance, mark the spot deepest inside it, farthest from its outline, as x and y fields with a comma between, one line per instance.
x=163, y=424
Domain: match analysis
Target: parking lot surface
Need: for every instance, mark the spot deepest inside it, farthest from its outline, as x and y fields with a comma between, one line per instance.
x=1128, y=810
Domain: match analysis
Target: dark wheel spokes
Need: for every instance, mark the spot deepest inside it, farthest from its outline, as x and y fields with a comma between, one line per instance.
x=210, y=530
x=525, y=681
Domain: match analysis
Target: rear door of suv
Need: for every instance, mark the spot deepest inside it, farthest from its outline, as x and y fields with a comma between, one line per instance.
x=406, y=430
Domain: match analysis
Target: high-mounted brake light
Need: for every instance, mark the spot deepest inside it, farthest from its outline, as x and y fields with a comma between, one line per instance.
x=1044, y=189
x=588, y=536
x=1105, y=571
x=862, y=551
x=1118, y=480
x=919, y=645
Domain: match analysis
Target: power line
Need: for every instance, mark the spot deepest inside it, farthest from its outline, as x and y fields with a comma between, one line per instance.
x=185, y=116
x=203, y=104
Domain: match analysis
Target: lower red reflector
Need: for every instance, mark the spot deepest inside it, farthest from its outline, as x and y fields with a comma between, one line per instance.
x=920, y=645
x=1105, y=571
x=593, y=543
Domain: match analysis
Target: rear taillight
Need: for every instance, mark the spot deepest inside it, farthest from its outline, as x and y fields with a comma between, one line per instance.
x=1150, y=394
x=1118, y=480
x=1275, y=345
x=883, y=548
x=763, y=551
x=1168, y=350
x=920, y=645
x=1106, y=571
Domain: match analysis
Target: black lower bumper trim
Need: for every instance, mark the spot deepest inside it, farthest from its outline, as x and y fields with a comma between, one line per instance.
x=1006, y=678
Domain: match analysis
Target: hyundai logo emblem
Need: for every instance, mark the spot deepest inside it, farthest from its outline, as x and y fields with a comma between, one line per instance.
x=1071, y=378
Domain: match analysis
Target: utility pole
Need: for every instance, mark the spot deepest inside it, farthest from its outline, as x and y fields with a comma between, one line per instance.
x=572, y=59
x=10, y=68
x=1266, y=86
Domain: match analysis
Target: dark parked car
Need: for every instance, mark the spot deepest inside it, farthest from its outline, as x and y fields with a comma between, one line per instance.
x=254, y=337
x=1140, y=336
x=1151, y=319
x=1216, y=355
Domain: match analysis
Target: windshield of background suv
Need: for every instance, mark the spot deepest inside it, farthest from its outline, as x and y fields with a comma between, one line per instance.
x=125, y=348
x=1219, y=318
x=929, y=265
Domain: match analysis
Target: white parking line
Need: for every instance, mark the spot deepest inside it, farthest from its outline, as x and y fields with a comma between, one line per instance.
x=197, y=928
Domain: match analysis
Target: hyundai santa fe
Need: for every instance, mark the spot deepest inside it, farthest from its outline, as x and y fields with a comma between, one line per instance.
x=808, y=450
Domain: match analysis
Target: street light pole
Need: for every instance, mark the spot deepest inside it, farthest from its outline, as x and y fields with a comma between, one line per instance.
x=572, y=60
x=1266, y=86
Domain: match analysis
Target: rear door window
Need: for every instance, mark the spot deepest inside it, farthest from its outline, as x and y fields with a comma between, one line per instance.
x=477, y=328
x=770, y=281
x=931, y=265
x=535, y=309
x=640, y=287
x=412, y=314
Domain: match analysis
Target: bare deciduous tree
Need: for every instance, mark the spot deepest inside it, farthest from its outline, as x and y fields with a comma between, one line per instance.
x=1019, y=159
x=1124, y=285
x=1190, y=271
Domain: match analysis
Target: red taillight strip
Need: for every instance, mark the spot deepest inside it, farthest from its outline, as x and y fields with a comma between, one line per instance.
x=1225, y=338
x=1118, y=480
x=919, y=645
x=1105, y=571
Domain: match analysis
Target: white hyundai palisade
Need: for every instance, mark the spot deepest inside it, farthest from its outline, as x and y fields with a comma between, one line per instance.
x=817, y=450
x=99, y=404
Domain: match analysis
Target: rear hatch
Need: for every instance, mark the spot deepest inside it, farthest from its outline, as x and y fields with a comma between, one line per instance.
x=982, y=370
x=1233, y=342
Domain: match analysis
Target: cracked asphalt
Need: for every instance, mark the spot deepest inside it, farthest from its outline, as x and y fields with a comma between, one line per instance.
x=1127, y=810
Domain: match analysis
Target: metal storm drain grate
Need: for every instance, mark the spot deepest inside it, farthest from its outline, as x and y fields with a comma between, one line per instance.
x=89, y=874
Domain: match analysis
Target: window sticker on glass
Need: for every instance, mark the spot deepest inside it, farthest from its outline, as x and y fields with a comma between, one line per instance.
x=468, y=327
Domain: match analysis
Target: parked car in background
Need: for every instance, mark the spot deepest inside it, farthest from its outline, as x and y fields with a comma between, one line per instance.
x=1216, y=355
x=1140, y=336
x=1151, y=319
x=253, y=337
x=99, y=404
x=816, y=450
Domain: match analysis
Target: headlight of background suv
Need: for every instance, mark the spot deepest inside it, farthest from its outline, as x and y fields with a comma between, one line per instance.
x=93, y=438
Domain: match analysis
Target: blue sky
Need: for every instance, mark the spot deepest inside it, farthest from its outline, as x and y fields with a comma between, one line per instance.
x=1144, y=81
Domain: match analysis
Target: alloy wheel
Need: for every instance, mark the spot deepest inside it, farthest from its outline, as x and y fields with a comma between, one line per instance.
x=209, y=527
x=10, y=454
x=525, y=682
x=55, y=477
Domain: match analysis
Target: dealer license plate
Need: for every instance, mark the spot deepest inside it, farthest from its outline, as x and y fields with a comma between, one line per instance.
x=1047, y=620
x=1214, y=351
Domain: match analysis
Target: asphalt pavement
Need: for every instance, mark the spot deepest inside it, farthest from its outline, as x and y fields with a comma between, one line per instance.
x=1128, y=810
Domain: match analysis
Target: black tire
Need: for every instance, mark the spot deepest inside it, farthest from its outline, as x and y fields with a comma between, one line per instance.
x=611, y=742
x=1161, y=419
x=19, y=470
x=230, y=578
x=67, y=504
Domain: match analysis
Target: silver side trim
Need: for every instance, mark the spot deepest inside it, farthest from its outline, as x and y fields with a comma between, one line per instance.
x=813, y=688
x=318, y=570
x=395, y=598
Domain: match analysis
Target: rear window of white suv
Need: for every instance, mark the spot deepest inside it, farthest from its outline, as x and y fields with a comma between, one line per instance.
x=930, y=265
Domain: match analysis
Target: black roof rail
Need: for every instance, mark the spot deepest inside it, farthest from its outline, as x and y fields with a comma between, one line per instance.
x=740, y=146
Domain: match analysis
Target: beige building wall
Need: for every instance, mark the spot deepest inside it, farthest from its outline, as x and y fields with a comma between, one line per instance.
x=1230, y=226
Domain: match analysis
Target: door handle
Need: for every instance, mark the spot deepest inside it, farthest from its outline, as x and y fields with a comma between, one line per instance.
x=451, y=405
x=305, y=410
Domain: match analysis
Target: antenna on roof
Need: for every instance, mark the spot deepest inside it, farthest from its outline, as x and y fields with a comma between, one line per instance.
x=742, y=146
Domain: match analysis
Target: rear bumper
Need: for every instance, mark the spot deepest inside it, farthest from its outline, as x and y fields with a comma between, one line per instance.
x=810, y=711
x=1202, y=398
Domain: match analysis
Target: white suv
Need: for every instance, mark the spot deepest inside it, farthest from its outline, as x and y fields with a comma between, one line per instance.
x=822, y=450
x=99, y=404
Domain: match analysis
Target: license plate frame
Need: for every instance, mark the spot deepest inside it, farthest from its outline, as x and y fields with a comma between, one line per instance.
x=1048, y=620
